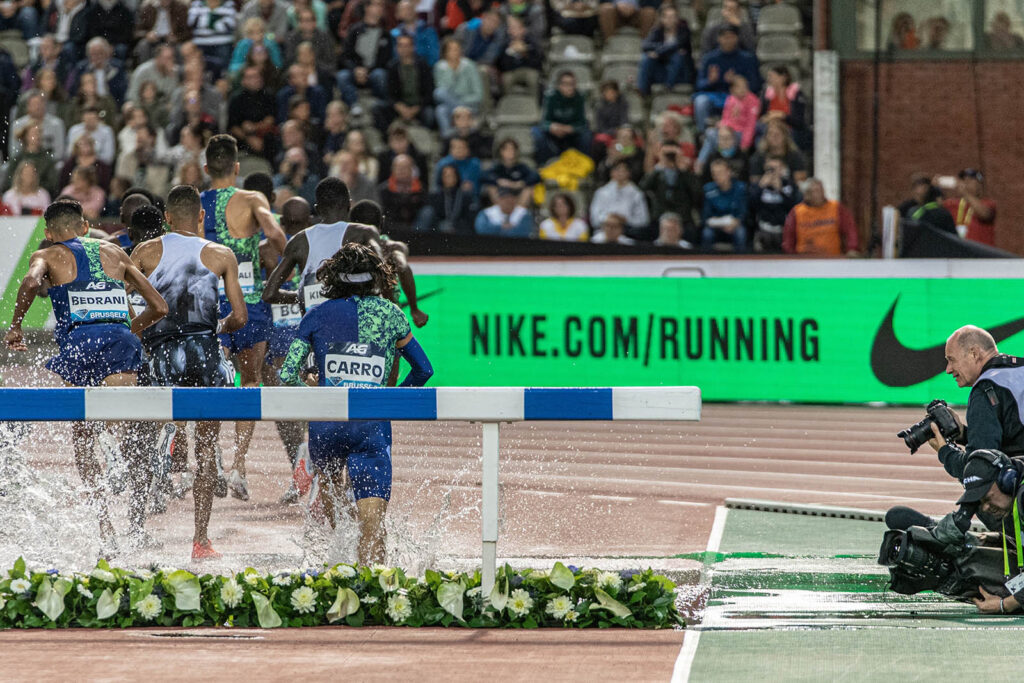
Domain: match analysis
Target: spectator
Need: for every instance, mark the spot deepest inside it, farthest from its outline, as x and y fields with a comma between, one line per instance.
x=936, y=30
x=213, y=25
x=670, y=232
x=20, y=16
x=505, y=218
x=457, y=83
x=672, y=187
x=47, y=58
x=155, y=105
x=191, y=173
x=355, y=143
x=273, y=14
x=255, y=32
x=975, y=216
x=667, y=58
x=50, y=126
x=161, y=71
x=109, y=72
x=251, y=115
x=611, y=14
x=336, y=128
x=732, y=15
x=610, y=113
x=725, y=209
x=613, y=231
x=620, y=196
x=625, y=146
x=160, y=22
x=562, y=224
x=112, y=21
x=727, y=148
x=925, y=205
x=903, y=33
x=563, y=122
x=818, y=226
x=319, y=8
x=457, y=12
x=532, y=13
x=102, y=134
x=410, y=88
x=783, y=100
x=141, y=164
x=359, y=186
x=191, y=148
x=469, y=166
x=482, y=38
x=56, y=99
x=771, y=200
x=424, y=37
x=83, y=154
x=365, y=57
x=191, y=116
x=85, y=191
x=307, y=32
x=259, y=57
x=72, y=28
x=318, y=74
x=26, y=197
x=294, y=174
x=402, y=195
x=399, y=143
x=450, y=208
x=741, y=111
x=667, y=131
x=32, y=152
x=298, y=86
x=716, y=72
x=88, y=97
x=464, y=125
x=511, y=173
x=520, y=61
x=194, y=81
x=777, y=143
x=1000, y=36
x=137, y=119
x=576, y=17
x=296, y=134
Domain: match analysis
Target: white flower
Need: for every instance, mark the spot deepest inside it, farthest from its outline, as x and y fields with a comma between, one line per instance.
x=304, y=600
x=571, y=615
x=368, y=600
x=399, y=608
x=150, y=607
x=635, y=587
x=520, y=602
x=539, y=573
x=252, y=578
x=231, y=593
x=20, y=586
x=103, y=575
x=84, y=591
x=559, y=607
x=609, y=580
x=345, y=571
x=283, y=580
x=378, y=568
x=145, y=574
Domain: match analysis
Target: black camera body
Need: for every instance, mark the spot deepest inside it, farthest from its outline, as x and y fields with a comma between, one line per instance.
x=919, y=434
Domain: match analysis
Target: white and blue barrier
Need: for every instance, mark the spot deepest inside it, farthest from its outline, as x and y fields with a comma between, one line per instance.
x=488, y=405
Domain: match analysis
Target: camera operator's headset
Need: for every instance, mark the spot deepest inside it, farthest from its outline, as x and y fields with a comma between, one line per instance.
x=1007, y=478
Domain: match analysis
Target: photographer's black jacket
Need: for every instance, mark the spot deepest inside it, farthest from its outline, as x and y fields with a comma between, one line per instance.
x=993, y=413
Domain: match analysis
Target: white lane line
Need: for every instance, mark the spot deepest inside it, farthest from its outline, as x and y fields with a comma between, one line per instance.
x=619, y=498
x=683, y=502
x=691, y=637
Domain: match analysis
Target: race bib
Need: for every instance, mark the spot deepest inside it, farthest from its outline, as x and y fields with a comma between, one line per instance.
x=99, y=302
x=138, y=303
x=286, y=315
x=352, y=363
x=1016, y=584
x=312, y=295
x=246, y=279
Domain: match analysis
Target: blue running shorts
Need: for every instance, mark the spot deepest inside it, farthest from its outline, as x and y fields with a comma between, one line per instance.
x=364, y=446
x=258, y=328
x=91, y=353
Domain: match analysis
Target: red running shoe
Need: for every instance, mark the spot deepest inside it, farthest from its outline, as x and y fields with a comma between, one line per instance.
x=204, y=551
x=302, y=480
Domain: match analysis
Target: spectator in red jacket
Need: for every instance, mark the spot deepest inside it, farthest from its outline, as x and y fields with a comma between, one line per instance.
x=975, y=217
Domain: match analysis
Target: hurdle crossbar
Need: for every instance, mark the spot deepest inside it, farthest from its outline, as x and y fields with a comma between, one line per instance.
x=487, y=405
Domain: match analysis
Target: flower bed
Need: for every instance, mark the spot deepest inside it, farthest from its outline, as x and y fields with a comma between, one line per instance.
x=341, y=595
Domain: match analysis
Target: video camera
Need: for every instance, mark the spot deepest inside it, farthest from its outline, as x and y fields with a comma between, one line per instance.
x=919, y=434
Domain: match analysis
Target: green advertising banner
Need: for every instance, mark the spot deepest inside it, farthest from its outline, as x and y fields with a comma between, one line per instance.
x=814, y=340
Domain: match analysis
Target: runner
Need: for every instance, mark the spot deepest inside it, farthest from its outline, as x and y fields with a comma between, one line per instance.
x=96, y=335
x=353, y=334
x=235, y=218
x=132, y=199
x=183, y=349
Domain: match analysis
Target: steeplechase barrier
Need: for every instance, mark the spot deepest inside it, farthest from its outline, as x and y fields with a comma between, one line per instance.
x=489, y=406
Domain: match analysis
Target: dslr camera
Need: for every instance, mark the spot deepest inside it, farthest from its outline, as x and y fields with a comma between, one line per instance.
x=919, y=434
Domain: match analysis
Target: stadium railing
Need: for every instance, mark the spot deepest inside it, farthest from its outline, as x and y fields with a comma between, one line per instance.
x=489, y=406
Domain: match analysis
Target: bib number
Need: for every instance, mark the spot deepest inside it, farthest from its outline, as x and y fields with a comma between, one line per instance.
x=286, y=315
x=312, y=295
x=352, y=363
x=1016, y=584
x=138, y=303
x=246, y=280
x=103, y=302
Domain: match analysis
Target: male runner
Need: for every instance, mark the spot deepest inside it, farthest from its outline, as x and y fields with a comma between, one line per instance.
x=183, y=349
x=235, y=218
x=132, y=199
x=96, y=335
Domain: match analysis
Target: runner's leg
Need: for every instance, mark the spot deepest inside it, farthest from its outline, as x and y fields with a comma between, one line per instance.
x=207, y=434
x=137, y=439
x=372, y=535
x=250, y=364
x=83, y=435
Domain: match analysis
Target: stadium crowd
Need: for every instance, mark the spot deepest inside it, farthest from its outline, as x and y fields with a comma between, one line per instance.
x=465, y=116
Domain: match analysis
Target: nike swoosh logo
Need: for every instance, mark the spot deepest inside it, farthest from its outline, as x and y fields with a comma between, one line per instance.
x=404, y=302
x=897, y=366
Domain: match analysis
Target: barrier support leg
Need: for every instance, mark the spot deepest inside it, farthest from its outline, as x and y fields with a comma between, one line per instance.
x=489, y=505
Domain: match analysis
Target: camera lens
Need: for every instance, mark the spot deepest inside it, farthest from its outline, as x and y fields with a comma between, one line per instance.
x=917, y=435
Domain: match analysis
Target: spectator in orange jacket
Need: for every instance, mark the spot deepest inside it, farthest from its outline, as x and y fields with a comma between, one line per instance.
x=819, y=226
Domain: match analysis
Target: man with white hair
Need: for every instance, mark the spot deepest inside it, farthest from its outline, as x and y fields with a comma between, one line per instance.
x=109, y=72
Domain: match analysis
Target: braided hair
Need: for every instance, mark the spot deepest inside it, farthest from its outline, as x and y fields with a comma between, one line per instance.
x=356, y=270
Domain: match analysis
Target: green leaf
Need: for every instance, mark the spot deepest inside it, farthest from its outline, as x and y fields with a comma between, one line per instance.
x=356, y=619
x=449, y=596
x=265, y=614
x=138, y=591
x=611, y=604
x=19, y=569
x=529, y=622
x=50, y=601
x=561, y=576
x=108, y=603
x=499, y=594
x=184, y=586
x=432, y=578
x=345, y=604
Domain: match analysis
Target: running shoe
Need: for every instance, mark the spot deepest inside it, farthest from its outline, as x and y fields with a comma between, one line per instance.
x=204, y=551
x=221, y=488
x=302, y=479
x=239, y=487
x=291, y=496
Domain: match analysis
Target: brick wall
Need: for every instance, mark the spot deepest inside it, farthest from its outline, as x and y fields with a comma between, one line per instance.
x=929, y=122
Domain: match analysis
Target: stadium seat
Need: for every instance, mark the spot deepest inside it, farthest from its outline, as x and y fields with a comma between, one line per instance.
x=582, y=49
x=779, y=19
x=620, y=48
x=622, y=73
x=521, y=134
x=637, y=111
x=660, y=103
x=584, y=76
x=17, y=48
x=517, y=109
x=779, y=47
x=249, y=164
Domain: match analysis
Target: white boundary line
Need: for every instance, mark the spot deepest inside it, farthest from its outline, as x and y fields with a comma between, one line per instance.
x=691, y=637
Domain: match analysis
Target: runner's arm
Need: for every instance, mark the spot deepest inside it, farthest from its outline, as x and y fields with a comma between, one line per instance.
x=272, y=292
x=405, y=276
x=156, y=307
x=227, y=269
x=413, y=353
x=265, y=220
x=31, y=284
x=294, y=363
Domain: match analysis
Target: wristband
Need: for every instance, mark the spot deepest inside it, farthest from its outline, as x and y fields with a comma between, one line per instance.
x=1001, y=609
